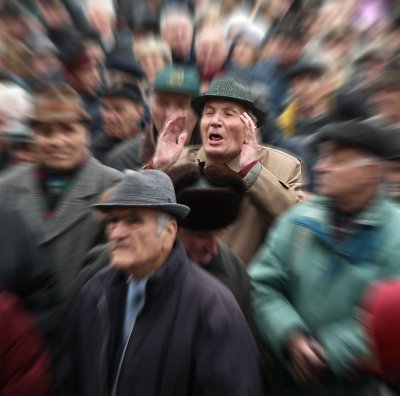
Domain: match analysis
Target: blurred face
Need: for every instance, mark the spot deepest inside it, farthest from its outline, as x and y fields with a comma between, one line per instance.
x=343, y=173
x=121, y=117
x=16, y=27
x=371, y=69
x=95, y=50
x=86, y=80
x=165, y=105
x=393, y=180
x=386, y=103
x=211, y=52
x=243, y=55
x=44, y=64
x=60, y=146
x=311, y=92
x=304, y=87
x=222, y=131
x=337, y=48
x=288, y=51
x=136, y=242
x=201, y=246
x=152, y=64
x=178, y=33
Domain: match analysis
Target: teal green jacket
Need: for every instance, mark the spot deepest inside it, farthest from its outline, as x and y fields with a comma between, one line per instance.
x=304, y=280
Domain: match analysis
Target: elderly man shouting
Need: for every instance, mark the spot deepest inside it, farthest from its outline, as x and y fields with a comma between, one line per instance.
x=229, y=120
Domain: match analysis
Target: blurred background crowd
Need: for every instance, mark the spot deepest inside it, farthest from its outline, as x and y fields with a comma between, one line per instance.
x=135, y=64
x=308, y=63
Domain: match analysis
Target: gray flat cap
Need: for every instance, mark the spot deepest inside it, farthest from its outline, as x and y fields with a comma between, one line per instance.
x=151, y=189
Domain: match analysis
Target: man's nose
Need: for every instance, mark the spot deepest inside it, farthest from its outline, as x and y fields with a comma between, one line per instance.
x=117, y=231
x=212, y=246
x=321, y=165
x=216, y=119
x=57, y=138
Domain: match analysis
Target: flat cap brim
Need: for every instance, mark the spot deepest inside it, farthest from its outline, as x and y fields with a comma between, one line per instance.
x=199, y=102
x=176, y=210
x=360, y=135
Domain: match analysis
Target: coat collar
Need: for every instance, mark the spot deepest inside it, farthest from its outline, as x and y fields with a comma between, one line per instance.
x=174, y=266
x=374, y=215
x=72, y=206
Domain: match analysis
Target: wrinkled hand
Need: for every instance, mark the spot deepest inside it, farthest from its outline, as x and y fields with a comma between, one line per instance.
x=307, y=358
x=249, y=152
x=171, y=142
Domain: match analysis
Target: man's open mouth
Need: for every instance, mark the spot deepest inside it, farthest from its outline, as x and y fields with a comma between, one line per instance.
x=215, y=137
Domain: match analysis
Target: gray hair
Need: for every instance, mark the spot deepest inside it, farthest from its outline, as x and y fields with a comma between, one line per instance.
x=163, y=220
x=153, y=45
x=173, y=11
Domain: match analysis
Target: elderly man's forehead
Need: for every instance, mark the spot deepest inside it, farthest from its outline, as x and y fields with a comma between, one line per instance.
x=223, y=103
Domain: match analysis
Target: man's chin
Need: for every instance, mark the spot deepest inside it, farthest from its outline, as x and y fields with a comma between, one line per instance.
x=120, y=262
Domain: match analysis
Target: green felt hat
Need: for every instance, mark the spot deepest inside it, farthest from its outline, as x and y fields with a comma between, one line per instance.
x=177, y=79
x=232, y=89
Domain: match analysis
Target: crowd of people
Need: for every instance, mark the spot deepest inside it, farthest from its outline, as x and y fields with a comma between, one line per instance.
x=199, y=197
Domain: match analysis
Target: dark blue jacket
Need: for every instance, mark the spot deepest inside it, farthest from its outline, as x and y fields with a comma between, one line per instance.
x=190, y=338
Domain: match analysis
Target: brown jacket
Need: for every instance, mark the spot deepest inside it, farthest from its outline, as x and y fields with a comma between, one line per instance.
x=273, y=186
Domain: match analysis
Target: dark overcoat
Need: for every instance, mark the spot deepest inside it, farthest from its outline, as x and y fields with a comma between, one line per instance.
x=190, y=338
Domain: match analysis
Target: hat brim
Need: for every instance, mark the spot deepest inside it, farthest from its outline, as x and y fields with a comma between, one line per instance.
x=176, y=210
x=175, y=90
x=198, y=103
x=121, y=93
x=313, y=71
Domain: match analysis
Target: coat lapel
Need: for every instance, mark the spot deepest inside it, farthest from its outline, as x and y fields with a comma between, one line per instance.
x=74, y=205
x=29, y=200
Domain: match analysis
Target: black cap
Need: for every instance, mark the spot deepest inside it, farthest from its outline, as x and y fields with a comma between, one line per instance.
x=124, y=76
x=306, y=69
x=362, y=135
x=121, y=84
x=125, y=63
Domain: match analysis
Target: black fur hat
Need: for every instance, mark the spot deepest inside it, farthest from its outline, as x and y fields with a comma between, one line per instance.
x=214, y=194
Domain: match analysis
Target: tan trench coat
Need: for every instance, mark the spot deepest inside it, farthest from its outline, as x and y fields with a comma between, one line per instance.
x=273, y=186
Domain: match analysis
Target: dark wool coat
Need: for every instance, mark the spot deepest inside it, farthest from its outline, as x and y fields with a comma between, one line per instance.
x=191, y=338
x=25, y=271
x=68, y=236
